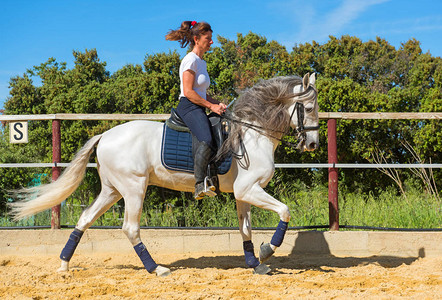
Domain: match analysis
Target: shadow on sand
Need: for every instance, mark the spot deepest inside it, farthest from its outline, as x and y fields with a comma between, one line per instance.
x=310, y=252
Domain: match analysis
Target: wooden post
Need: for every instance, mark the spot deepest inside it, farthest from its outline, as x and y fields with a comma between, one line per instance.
x=332, y=176
x=56, y=158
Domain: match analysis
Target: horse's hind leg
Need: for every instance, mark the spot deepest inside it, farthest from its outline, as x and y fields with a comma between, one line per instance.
x=131, y=227
x=107, y=197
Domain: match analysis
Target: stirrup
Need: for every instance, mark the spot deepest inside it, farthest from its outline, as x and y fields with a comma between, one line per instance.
x=209, y=187
x=199, y=191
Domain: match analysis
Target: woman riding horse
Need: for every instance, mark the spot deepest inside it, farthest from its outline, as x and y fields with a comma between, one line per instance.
x=129, y=160
x=194, y=99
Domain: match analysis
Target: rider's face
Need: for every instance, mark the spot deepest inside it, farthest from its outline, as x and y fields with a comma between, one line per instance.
x=205, y=41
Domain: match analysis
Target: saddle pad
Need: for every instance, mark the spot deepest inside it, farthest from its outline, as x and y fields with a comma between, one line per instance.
x=176, y=152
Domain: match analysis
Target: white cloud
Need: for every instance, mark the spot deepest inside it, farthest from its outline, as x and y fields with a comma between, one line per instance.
x=335, y=21
x=347, y=12
x=402, y=26
x=315, y=22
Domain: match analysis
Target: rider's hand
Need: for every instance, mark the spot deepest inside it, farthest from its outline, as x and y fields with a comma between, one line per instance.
x=218, y=108
x=223, y=107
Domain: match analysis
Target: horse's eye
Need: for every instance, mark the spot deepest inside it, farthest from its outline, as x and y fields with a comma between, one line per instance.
x=309, y=110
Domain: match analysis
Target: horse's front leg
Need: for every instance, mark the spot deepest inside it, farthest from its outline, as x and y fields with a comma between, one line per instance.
x=255, y=194
x=245, y=228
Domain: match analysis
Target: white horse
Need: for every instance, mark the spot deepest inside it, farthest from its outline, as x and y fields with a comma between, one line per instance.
x=129, y=160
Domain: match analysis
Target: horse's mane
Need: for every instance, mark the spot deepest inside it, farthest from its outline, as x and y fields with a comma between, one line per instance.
x=262, y=105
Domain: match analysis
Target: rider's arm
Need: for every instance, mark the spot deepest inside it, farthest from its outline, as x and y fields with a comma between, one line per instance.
x=189, y=93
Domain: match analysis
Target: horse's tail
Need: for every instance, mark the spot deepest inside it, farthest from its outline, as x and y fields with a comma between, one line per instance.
x=52, y=194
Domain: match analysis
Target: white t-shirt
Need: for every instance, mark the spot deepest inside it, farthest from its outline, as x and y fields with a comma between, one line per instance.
x=202, y=81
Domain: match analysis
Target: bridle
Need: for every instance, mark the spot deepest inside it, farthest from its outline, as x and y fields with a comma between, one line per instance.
x=300, y=129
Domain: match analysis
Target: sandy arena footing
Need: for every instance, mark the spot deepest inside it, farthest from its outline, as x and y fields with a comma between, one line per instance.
x=209, y=264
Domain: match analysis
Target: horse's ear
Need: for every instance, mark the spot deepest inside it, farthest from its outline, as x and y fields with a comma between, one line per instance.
x=305, y=81
x=312, y=79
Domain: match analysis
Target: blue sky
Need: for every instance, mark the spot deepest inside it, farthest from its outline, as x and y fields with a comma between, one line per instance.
x=123, y=32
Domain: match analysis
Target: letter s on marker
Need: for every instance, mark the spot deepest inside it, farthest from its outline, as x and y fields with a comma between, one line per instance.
x=18, y=136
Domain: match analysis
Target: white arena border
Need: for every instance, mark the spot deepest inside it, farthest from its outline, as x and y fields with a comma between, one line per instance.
x=169, y=241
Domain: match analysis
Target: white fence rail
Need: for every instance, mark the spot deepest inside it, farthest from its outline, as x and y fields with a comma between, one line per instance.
x=162, y=117
x=282, y=166
x=332, y=166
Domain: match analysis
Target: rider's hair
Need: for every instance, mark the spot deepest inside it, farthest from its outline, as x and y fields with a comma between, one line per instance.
x=187, y=31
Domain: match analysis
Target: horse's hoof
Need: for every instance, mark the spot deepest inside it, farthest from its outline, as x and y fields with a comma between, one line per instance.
x=265, y=252
x=64, y=267
x=262, y=269
x=162, y=271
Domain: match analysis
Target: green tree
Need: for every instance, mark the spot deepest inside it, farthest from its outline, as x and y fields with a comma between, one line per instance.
x=14, y=178
x=375, y=77
x=236, y=65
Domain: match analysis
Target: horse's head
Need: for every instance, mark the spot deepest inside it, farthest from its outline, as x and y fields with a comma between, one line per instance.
x=303, y=109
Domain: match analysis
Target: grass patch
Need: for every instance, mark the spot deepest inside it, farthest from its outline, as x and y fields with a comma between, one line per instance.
x=308, y=207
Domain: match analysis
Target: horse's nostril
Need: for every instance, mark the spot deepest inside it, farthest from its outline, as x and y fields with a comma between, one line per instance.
x=312, y=146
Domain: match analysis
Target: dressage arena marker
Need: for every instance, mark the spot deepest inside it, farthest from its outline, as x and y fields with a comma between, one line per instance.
x=18, y=132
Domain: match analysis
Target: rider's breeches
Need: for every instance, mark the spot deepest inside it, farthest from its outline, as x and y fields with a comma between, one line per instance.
x=194, y=116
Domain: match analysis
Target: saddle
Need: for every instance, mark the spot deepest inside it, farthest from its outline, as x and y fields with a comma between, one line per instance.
x=177, y=144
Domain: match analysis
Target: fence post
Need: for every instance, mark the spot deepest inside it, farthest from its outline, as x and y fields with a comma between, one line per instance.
x=56, y=158
x=333, y=207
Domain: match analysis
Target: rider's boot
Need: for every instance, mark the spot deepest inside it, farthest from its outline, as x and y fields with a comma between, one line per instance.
x=212, y=173
x=203, y=186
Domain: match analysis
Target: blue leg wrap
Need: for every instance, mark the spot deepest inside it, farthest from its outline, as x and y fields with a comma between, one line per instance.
x=145, y=257
x=71, y=245
x=279, y=234
x=251, y=260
